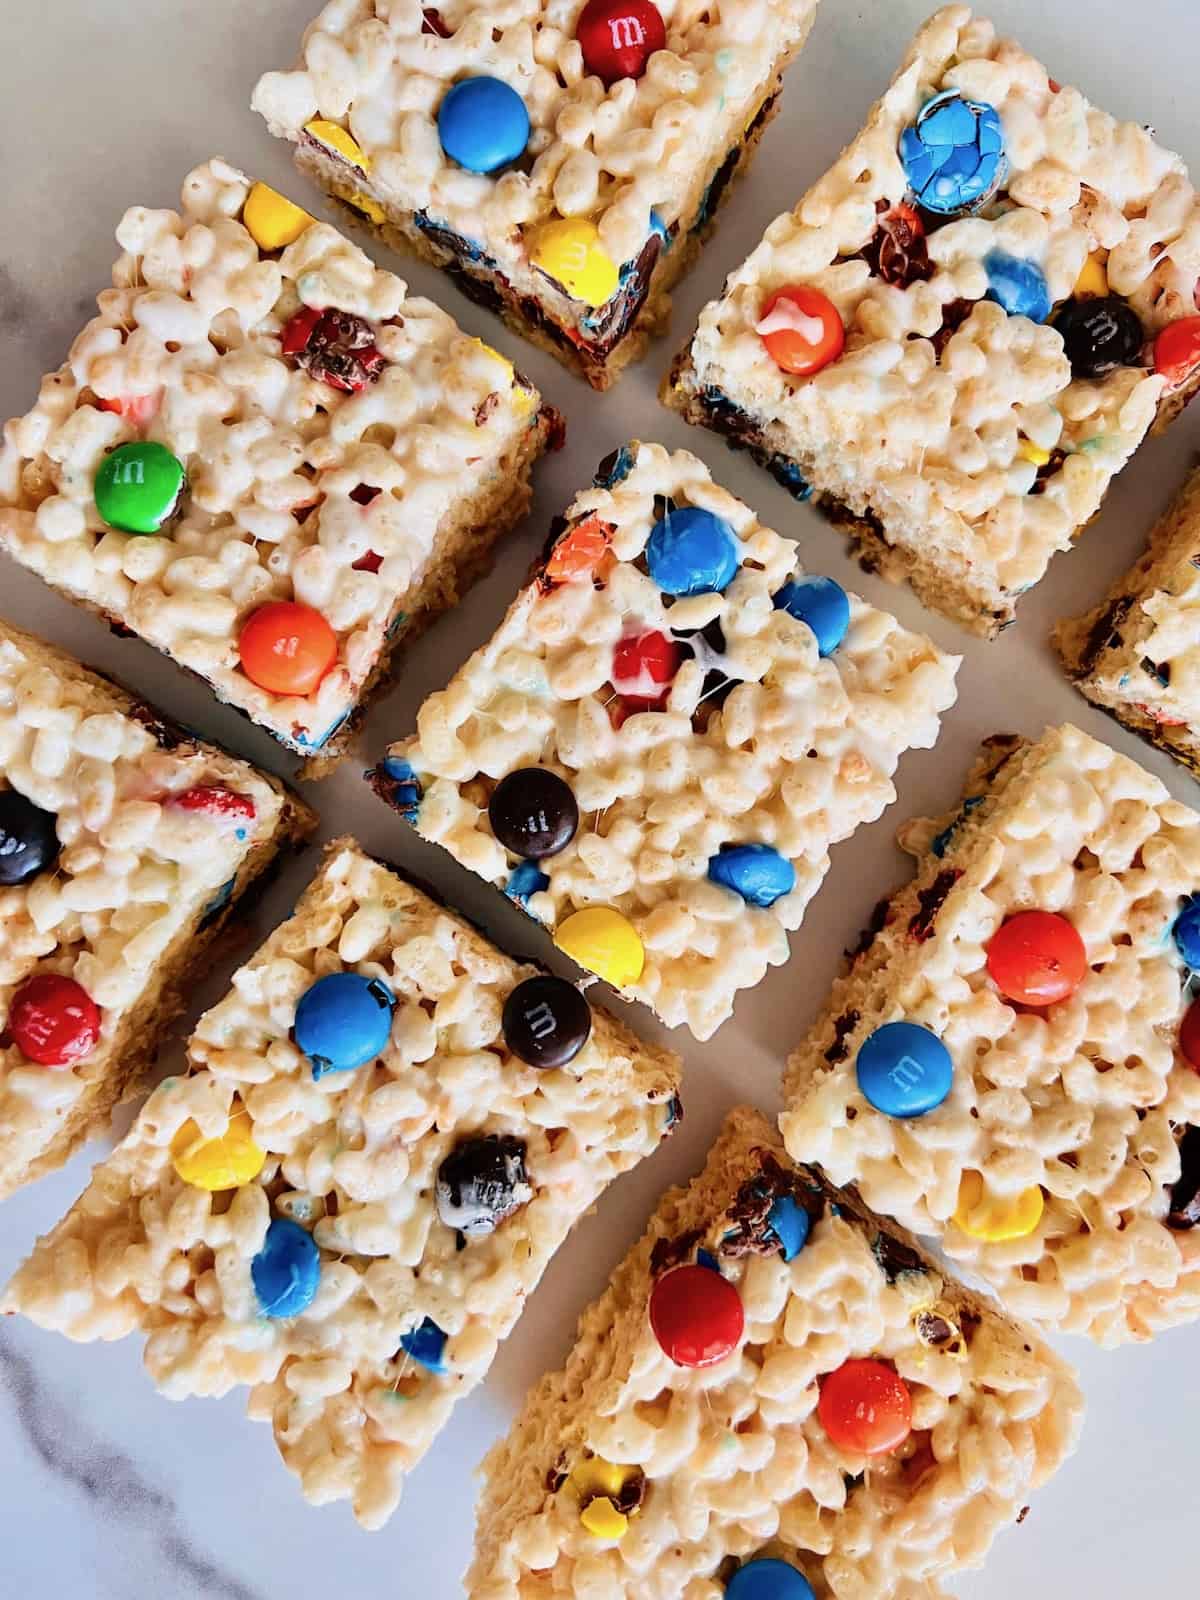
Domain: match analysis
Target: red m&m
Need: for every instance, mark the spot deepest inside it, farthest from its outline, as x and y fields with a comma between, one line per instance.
x=1036, y=958
x=1177, y=350
x=643, y=667
x=801, y=329
x=696, y=1315
x=865, y=1408
x=1189, y=1035
x=618, y=37
x=210, y=800
x=286, y=647
x=53, y=1020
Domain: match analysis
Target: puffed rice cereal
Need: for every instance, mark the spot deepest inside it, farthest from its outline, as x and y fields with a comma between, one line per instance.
x=266, y=459
x=1045, y=942
x=699, y=745
x=1015, y=320
x=125, y=846
x=631, y=1474
x=351, y=1241
x=1137, y=654
x=562, y=167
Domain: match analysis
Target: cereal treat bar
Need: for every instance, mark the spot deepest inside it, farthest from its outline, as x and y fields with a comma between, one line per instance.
x=386, y=1131
x=779, y=1397
x=966, y=327
x=1137, y=655
x=671, y=726
x=561, y=161
x=267, y=460
x=1011, y=1060
x=125, y=846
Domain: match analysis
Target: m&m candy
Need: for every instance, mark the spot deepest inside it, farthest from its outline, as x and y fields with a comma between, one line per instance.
x=1189, y=1035
x=696, y=1315
x=904, y=1070
x=338, y=142
x=692, y=551
x=1018, y=285
x=525, y=879
x=581, y=552
x=1092, y=281
x=533, y=813
x=801, y=329
x=271, y=219
x=481, y=1181
x=822, y=605
x=29, y=841
x=757, y=872
x=286, y=647
x=865, y=1408
x=1036, y=958
x=768, y=1579
x=214, y=801
x=1099, y=335
x=426, y=1344
x=953, y=154
x=1186, y=930
x=546, y=1021
x=137, y=487
x=569, y=251
x=618, y=37
x=53, y=1020
x=791, y=1224
x=287, y=1270
x=605, y=942
x=1177, y=350
x=483, y=124
x=996, y=1218
x=226, y=1162
x=643, y=667
x=343, y=1021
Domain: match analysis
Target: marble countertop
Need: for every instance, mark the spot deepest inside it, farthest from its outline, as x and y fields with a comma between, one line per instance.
x=113, y=1493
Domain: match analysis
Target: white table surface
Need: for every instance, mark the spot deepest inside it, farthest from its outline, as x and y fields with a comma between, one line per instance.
x=109, y=1492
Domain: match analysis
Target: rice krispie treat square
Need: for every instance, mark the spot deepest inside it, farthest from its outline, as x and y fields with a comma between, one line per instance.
x=778, y=1395
x=387, y=1129
x=1137, y=654
x=266, y=459
x=1011, y=1061
x=965, y=329
x=125, y=847
x=562, y=161
x=669, y=729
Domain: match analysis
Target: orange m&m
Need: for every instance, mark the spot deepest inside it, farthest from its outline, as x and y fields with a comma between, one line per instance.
x=801, y=329
x=1036, y=958
x=865, y=1408
x=286, y=647
x=581, y=552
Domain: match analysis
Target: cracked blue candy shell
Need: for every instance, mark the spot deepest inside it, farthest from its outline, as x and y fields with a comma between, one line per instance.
x=1017, y=285
x=953, y=154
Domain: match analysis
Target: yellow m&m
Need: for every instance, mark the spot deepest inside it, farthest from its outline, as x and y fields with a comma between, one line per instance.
x=226, y=1162
x=570, y=252
x=602, y=1519
x=1092, y=280
x=1028, y=451
x=996, y=1218
x=273, y=221
x=370, y=208
x=606, y=943
x=339, y=141
x=603, y=1482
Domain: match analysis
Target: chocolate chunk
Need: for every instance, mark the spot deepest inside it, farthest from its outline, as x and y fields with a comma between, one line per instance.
x=1185, y=1196
x=894, y=1257
x=843, y=1027
x=930, y=900
x=671, y=1252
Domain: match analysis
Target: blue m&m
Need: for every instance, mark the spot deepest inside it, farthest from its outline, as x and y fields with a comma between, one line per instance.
x=1017, y=285
x=343, y=1021
x=822, y=605
x=483, y=124
x=426, y=1344
x=768, y=1579
x=904, y=1070
x=755, y=871
x=691, y=551
x=287, y=1269
x=953, y=154
x=790, y=1223
x=1187, y=932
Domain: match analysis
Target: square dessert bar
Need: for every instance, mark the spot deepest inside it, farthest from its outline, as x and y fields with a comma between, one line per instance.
x=386, y=1131
x=778, y=1395
x=125, y=846
x=266, y=459
x=561, y=161
x=1011, y=1061
x=1137, y=654
x=669, y=729
x=966, y=328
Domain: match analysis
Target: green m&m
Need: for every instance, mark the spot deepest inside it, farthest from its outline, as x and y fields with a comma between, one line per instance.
x=138, y=486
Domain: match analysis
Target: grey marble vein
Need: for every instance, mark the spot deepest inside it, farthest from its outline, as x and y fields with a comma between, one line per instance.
x=108, y=1479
